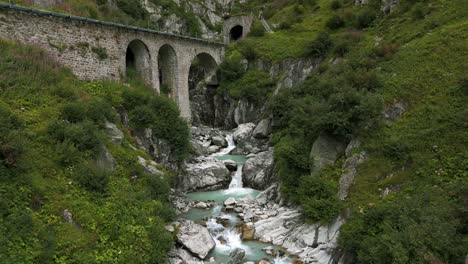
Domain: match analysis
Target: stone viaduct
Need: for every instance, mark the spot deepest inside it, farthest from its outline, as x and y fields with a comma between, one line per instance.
x=101, y=50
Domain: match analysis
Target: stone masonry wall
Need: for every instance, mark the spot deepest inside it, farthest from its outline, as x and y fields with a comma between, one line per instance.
x=97, y=51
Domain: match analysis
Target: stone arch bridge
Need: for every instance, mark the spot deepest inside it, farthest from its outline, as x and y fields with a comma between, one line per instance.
x=101, y=50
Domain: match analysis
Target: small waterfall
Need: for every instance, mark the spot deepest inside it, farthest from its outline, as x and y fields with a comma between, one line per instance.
x=236, y=181
x=229, y=148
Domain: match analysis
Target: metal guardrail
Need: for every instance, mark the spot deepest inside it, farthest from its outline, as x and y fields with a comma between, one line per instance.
x=105, y=23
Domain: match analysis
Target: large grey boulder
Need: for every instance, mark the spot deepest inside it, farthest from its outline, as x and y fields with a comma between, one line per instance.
x=325, y=150
x=219, y=140
x=114, y=133
x=181, y=256
x=263, y=129
x=149, y=166
x=236, y=256
x=205, y=174
x=195, y=238
x=257, y=170
x=243, y=132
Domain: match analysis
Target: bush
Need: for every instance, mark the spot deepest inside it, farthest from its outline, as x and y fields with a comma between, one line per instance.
x=92, y=178
x=387, y=232
x=231, y=68
x=158, y=188
x=419, y=11
x=318, y=198
x=142, y=117
x=365, y=18
x=257, y=30
x=99, y=111
x=132, y=8
x=335, y=4
x=84, y=135
x=341, y=48
x=254, y=86
x=335, y=22
x=320, y=45
x=74, y=112
x=385, y=50
x=132, y=99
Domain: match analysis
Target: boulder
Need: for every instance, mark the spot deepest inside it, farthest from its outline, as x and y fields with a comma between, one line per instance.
x=230, y=201
x=263, y=261
x=394, y=111
x=257, y=170
x=243, y=131
x=115, y=135
x=230, y=165
x=181, y=256
x=105, y=160
x=325, y=150
x=347, y=178
x=207, y=174
x=248, y=231
x=236, y=256
x=150, y=166
x=219, y=141
x=195, y=238
x=263, y=129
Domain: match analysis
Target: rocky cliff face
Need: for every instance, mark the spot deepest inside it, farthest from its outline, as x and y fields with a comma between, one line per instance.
x=207, y=15
x=211, y=108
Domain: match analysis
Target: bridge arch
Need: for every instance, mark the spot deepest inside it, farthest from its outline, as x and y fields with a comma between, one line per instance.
x=167, y=70
x=236, y=33
x=138, y=58
x=203, y=68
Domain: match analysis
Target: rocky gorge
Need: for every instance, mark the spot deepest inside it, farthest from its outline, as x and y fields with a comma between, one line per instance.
x=213, y=207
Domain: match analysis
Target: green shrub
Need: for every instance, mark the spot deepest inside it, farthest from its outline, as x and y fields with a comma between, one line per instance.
x=141, y=117
x=254, y=86
x=132, y=99
x=99, y=110
x=74, y=112
x=365, y=18
x=158, y=187
x=318, y=198
x=320, y=45
x=335, y=22
x=132, y=8
x=92, y=178
x=404, y=228
x=165, y=89
x=335, y=4
x=341, y=48
x=257, y=30
x=231, y=68
x=161, y=242
x=419, y=11
x=84, y=135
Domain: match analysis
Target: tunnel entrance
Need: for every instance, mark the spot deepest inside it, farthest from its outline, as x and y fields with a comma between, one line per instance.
x=137, y=61
x=167, y=61
x=236, y=33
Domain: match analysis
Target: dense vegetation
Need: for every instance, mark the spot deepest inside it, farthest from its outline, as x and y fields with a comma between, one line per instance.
x=408, y=202
x=52, y=149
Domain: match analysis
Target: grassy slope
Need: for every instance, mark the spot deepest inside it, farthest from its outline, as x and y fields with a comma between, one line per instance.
x=421, y=156
x=119, y=225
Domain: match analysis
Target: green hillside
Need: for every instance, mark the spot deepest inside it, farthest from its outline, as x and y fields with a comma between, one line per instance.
x=52, y=142
x=415, y=56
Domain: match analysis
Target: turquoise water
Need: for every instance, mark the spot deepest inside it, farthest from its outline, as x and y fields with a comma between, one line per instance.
x=240, y=159
x=221, y=196
x=229, y=234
